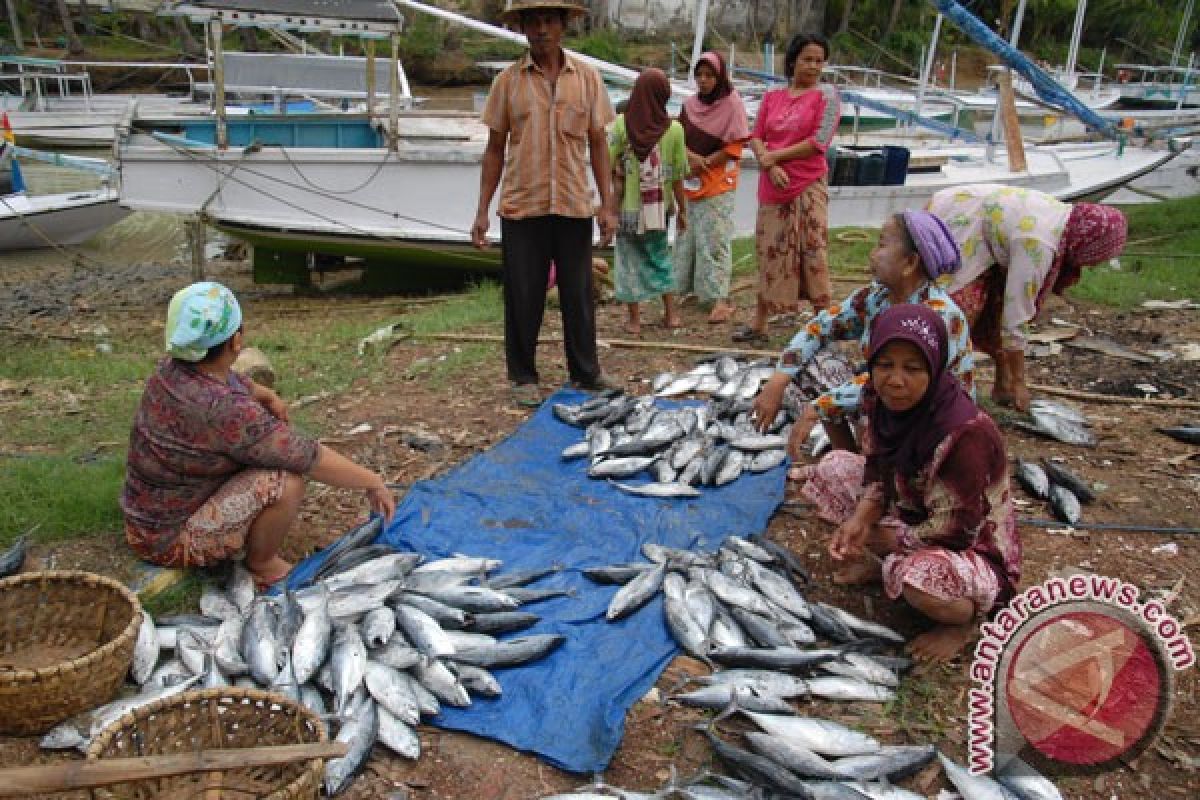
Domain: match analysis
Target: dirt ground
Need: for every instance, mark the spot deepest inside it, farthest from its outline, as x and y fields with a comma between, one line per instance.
x=1148, y=479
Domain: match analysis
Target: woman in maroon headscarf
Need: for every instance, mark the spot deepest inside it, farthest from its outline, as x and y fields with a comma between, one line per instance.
x=927, y=508
x=649, y=163
x=1017, y=245
x=714, y=128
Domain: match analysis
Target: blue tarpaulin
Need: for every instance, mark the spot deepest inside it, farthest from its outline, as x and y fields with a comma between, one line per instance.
x=521, y=503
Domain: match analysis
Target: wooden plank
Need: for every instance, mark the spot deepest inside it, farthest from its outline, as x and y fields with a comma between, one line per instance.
x=63, y=776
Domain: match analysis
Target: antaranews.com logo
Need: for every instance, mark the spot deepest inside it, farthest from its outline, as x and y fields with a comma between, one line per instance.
x=1074, y=675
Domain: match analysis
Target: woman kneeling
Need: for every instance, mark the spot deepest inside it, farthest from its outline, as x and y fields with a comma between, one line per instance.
x=927, y=508
x=214, y=469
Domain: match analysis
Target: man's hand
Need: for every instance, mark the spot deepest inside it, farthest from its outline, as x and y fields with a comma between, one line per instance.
x=607, y=219
x=479, y=230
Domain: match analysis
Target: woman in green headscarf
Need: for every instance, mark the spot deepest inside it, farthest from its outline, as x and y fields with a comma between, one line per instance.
x=214, y=470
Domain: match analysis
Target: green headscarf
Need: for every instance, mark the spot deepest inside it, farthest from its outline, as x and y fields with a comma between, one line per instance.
x=199, y=317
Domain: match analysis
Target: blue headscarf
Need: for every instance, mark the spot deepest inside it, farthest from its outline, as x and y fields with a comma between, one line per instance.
x=199, y=317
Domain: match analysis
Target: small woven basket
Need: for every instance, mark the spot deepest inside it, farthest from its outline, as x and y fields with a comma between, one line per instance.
x=215, y=719
x=66, y=642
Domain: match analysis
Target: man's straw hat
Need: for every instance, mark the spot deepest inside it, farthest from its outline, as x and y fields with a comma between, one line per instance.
x=513, y=8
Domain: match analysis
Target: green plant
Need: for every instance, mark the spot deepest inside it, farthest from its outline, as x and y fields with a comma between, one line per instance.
x=602, y=44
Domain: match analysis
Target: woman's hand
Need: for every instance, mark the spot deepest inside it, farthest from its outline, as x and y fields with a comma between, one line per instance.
x=778, y=177
x=801, y=429
x=695, y=163
x=849, y=540
x=769, y=400
x=681, y=221
x=768, y=160
x=271, y=402
x=382, y=501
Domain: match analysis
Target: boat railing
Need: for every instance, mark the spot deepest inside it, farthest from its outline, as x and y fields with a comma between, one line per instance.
x=34, y=76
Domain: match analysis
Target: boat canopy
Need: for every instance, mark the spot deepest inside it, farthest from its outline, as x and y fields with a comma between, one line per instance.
x=366, y=19
x=1046, y=87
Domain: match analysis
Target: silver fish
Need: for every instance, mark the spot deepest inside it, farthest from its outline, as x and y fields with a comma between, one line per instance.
x=347, y=664
x=857, y=665
x=427, y=704
x=891, y=762
x=378, y=626
x=192, y=647
x=757, y=442
x=734, y=593
x=838, y=687
x=681, y=385
x=826, y=737
x=397, y=735
x=106, y=715
x=862, y=626
x=437, y=678
x=216, y=603
x=616, y=574
x=226, y=648
x=241, y=587
x=974, y=787
x=636, y=593
x=12, y=559
x=465, y=565
x=503, y=621
x=424, y=633
x=1033, y=479
x=168, y=673
x=767, y=460
x=720, y=696
x=797, y=758
x=760, y=629
x=478, y=681
x=392, y=692
x=444, y=615
x=659, y=489
x=472, y=598
x=731, y=468
x=1065, y=505
x=311, y=643
x=511, y=652
x=258, y=646
x=145, y=650
x=397, y=653
x=778, y=590
x=1024, y=782
x=662, y=471
x=359, y=731
x=619, y=467
x=285, y=682
x=684, y=628
x=661, y=381
x=377, y=570
x=577, y=450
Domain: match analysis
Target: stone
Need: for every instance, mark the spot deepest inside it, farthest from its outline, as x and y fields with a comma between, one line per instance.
x=253, y=363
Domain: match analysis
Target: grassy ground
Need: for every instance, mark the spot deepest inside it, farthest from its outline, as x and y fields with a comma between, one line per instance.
x=66, y=426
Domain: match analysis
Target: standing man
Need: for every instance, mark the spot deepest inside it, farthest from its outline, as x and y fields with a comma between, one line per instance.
x=547, y=115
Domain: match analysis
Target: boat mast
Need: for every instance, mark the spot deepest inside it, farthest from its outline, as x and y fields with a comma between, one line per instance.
x=1183, y=26
x=1013, y=36
x=1076, y=35
x=927, y=67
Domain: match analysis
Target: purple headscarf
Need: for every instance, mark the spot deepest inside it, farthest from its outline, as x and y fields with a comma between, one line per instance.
x=937, y=248
x=904, y=442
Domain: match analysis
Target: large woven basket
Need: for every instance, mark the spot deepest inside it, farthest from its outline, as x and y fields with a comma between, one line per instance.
x=66, y=642
x=212, y=719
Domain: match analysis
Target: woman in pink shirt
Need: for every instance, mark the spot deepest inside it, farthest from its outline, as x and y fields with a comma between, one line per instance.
x=794, y=127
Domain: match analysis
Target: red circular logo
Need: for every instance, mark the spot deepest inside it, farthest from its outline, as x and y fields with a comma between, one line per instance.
x=1085, y=688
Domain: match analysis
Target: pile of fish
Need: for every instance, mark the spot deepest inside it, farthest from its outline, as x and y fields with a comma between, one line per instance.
x=741, y=610
x=681, y=448
x=12, y=559
x=1064, y=491
x=1058, y=421
x=377, y=642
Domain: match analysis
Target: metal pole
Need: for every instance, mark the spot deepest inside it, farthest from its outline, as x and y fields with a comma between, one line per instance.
x=1183, y=89
x=218, y=75
x=1183, y=25
x=370, y=44
x=15, y=23
x=953, y=67
x=927, y=67
x=699, y=22
x=1076, y=35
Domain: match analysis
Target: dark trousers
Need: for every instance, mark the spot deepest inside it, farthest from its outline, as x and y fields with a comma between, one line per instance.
x=528, y=246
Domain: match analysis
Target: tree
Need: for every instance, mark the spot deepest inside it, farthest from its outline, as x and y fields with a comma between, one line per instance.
x=74, y=45
x=893, y=18
x=847, y=7
x=187, y=42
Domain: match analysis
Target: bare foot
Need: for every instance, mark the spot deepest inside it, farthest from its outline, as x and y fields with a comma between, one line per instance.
x=721, y=312
x=633, y=328
x=866, y=570
x=942, y=643
x=672, y=322
x=271, y=572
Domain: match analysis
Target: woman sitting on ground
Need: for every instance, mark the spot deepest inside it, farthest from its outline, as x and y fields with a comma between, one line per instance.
x=1018, y=245
x=928, y=509
x=214, y=469
x=912, y=260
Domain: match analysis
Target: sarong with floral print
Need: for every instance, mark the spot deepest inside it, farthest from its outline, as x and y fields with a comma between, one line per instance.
x=704, y=252
x=792, y=244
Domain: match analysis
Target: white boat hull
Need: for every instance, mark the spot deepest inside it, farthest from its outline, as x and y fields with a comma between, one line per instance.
x=35, y=222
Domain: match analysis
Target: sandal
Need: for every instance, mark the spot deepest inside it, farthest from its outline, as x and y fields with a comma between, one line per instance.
x=747, y=335
x=525, y=395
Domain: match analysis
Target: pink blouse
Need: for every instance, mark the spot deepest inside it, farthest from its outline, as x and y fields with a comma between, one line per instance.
x=784, y=121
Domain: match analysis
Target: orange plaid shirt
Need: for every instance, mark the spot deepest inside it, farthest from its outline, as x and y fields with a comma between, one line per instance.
x=546, y=161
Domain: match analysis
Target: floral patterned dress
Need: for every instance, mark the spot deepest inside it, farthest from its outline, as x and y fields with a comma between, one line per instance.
x=1010, y=240
x=850, y=320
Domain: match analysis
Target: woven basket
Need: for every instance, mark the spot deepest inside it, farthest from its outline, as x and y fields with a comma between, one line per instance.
x=211, y=719
x=66, y=642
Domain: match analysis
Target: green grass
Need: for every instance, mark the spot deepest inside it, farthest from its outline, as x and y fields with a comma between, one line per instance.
x=66, y=498
x=1161, y=262
x=178, y=598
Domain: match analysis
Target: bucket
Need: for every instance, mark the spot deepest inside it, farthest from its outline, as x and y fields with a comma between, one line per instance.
x=870, y=169
x=895, y=165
